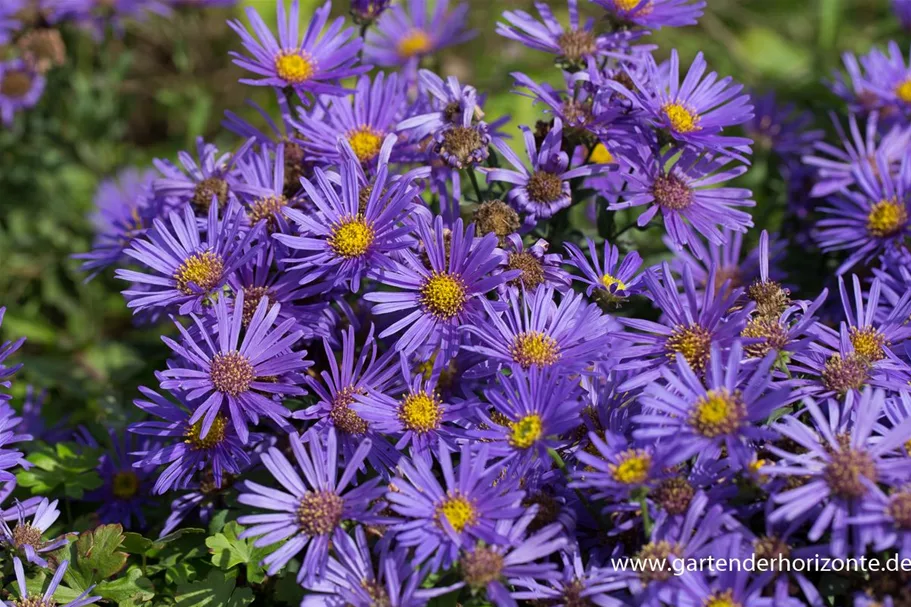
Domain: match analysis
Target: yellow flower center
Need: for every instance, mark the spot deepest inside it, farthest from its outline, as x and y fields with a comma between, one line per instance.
x=416, y=42
x=535, y=348
x=887, y=217
x=717, y=413
x=366, y=142
x=693, y=342
x=267, y=208
x=633, y=467
x=682, y=120
x=351, y=237
x=722, y=599
x=125, y=485
x=607, y=280
x=868, y=343
x=458, y=511
x=295, y=66
x=601, y=155
x=212, y=439
x=628, y=5
x=199, y=272
x=443, y=295
x=421, y=412
x=903, y=90
x=526, y=432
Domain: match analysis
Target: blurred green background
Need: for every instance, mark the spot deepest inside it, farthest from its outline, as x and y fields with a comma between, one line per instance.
x=148, y=94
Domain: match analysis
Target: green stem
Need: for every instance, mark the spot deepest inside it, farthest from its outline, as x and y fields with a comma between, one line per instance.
x=586, y=503
x=646, y=517
x=474, y=182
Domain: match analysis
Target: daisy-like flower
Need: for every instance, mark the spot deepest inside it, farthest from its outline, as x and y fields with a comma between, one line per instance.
x=492, y=569
x=723, y=412
x=654, y=13
x=781, y=128
x=125, y=486
x=418, y=416
x=9, y=433
x=539, y=269
x=266, y=191
x=872, y=219
x=442, y=294
x=836, y=167
x=211, y=177
x=439, y=519
x=21, y=86
x=312, y=63
x=691, y=324
x=610, y=281
x=532, y=411
x=577, y=582
x=27, y=537
x=616, y=468
x=884, y=520
x=309, y=512
x=544, y=189
x=355, y=374
x=693, y=112
x=536, y=331
x=221, y=451
x=366, y=11
x=7, y=348
x=683, y=187
x=574, y=46
x=124, y=208
x=246, y=377
x=356, y=229
x=447, y=104
x=837, y=464
x=185, y=268
x=406, y=33
x=46, y=598
x=363, y=119
x=875, y=330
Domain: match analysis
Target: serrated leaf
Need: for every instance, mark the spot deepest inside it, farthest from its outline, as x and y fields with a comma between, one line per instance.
x=128, y=590
x=217, y=590
x=94, y=557
x=228, y=551
x=134, y=543
x=65, y=465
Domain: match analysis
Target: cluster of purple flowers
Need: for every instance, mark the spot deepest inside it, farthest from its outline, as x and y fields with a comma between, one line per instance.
x=446, y=390
x=31, y=30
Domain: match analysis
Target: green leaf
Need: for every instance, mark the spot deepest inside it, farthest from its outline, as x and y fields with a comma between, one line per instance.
x=228, y=551
x=94, y=557
x=66, y=465
x=128, y=590
x=135, y=543
x=217, y=590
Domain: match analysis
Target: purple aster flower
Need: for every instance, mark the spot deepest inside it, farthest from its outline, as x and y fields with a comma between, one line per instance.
x=266, y=191
x=355, y=231
x=364, y=119
x=492, y=569
x=839, y=461
x=781, y=128
x=722, y=412
x=47, y=597
x=309, y=512
x=439, y=519
x=875, y=330
x=694, y=112
x=576, y=582
x=200, y=182
x=124, y=208
x=538, y=267
x=836, y=166
x=21, y=86
x=245, y=376
x=358, y=579
x=312, y=63
x=6, y=349
x=366, y=11
x=10, y=458
x=883, y=520
x=654, y=13
x=355, y=374
x=872, y=219
x=902, y=10
x=536, y=331
x=220, y=452
x=616, y=468
x=574, y=46
x=406, y=33
x=544, y=189
x=533, y=410
x=610, y=281
x=691, y=323
x=418, y=416
x=447, y=103
x=124, y=489
x=186, y=270
x=27, y=537
x=441, y=294
x=683, y=187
